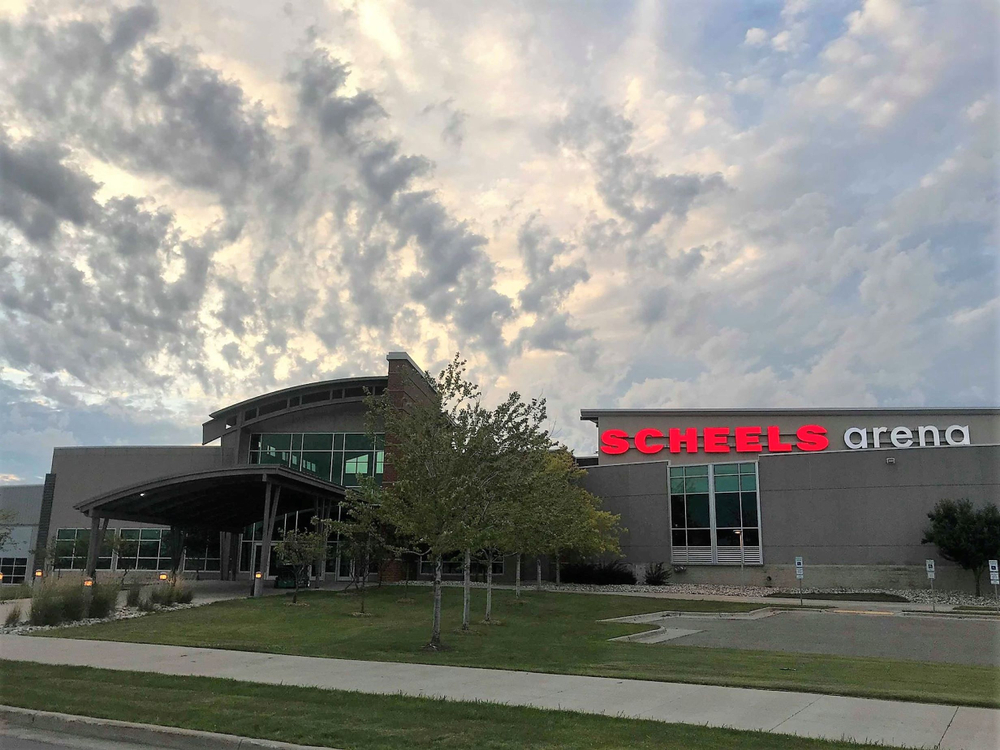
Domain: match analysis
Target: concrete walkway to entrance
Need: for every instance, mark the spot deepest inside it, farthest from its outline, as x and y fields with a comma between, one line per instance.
x=804, y=714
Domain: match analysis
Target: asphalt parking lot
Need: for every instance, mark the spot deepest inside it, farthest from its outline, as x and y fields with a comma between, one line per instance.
x=916, y=638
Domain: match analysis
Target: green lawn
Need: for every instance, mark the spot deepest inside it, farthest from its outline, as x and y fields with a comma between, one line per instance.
x=335, y=718
x=548, y=632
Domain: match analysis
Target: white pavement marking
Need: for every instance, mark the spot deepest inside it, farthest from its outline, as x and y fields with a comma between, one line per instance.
x=804, y=714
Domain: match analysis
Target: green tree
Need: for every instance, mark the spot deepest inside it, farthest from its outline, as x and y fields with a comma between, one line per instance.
x=567, y=517
x=363, y=532
x=300, y=549
x=426, y=502
x=965, y=535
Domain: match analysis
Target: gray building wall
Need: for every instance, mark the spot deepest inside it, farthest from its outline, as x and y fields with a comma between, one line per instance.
x=82, y=473
x=638, y=493
x=24, y=503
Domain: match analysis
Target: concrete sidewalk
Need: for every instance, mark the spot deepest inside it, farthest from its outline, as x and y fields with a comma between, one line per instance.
x=804, y=714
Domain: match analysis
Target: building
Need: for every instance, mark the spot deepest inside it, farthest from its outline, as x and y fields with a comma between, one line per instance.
x=21, y=505
x=722, y=496
x=279, y=459
x=737, y=495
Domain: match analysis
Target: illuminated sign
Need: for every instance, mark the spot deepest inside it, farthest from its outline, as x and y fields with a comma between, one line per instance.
x=809, y=437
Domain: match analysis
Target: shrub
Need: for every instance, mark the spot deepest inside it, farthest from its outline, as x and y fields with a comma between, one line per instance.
x=103, y=600
x=132, y=596
x=72, y=600
x=172, y=593
x=46, y=606
x=599, y=574
x=145, y=605
x=657, y=575
x=13, y=618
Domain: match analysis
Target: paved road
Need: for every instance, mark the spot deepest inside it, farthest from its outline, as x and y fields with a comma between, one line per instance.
x=805, y=714
x=16, y=738
x=946, y=640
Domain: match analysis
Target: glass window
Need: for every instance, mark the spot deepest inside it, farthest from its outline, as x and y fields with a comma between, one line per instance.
x=696, y=484
x=699, y=537
x=677, y=512
x=357, y=442
x=677, y=538
x=380, y=462
x=278, y=458
x=748, y=482
x=727, y=509
x=751, y=537
x=149, y=534
x=748, y=468
x=338, y=441
x=721, y=469
x=275, y=442
x=317, y=463
x=749, y=502
x=337, y=472
x=255, y=442
x=727, y=538
x=696, y=471
x=677, y=485
x=697, y=511
x=317, y=442
x=727, y=483
x=676, y=471
x=296, y=442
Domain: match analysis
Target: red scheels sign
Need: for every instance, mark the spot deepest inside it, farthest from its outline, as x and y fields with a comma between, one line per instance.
x=809, y=437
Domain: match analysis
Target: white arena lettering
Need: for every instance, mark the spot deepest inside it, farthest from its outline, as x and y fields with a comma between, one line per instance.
x=857, y=438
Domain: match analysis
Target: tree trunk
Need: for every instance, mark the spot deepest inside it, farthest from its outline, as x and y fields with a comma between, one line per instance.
x=466, y=588
x=489, y=588
x=436, y=623
x=558, y=571
x=978, y=573
x=363, y=589
x=538, y=573
x=517, y=578
x=295, y=591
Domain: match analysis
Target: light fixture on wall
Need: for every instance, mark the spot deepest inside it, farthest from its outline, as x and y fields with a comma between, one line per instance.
x=163, y=576
x=88, y=582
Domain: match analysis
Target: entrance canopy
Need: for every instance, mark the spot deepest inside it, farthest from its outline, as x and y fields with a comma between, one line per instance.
x=226, y=499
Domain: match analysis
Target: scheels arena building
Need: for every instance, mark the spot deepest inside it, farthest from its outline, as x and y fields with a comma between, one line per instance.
x=723, y=496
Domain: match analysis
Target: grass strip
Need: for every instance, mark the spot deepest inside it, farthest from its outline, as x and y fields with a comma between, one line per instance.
x=545, y=632
x=335, y=718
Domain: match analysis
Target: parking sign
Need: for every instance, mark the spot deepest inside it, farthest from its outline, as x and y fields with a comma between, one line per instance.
x=994, y=573
x=930, y=569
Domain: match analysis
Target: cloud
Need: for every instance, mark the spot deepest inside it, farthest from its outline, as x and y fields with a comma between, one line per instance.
x=608, y=211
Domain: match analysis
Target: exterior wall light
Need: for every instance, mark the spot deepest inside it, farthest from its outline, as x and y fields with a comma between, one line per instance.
x=258, y=575
x=163, y=576
x=88, y=582
x=38, y=573
x=1, y=577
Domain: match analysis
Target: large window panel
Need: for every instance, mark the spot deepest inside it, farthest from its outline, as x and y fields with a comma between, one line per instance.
x=727, y=509
x=698, y=514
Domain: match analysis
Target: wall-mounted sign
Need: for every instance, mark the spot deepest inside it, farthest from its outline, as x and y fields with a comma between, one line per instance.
x=752, y=439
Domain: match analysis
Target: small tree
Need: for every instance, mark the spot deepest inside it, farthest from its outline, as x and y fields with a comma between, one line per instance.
x=300, y=549
x=362, y=531
x=965, y=535
x=426, y=501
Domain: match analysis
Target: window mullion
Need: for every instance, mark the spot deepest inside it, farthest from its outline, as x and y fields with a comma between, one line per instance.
x=711, y=513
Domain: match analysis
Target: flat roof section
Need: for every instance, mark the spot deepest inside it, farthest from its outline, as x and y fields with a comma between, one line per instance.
x=226, y=499
x=592, y=415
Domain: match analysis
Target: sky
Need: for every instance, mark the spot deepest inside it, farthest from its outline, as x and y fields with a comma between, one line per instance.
x=605, y=204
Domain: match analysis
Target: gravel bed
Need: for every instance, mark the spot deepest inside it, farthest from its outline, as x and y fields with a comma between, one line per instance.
x=126, y=613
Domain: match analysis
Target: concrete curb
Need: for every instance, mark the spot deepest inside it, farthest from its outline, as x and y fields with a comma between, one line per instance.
x=126, y=731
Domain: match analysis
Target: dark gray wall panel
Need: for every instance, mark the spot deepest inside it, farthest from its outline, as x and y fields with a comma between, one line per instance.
x=638, y=493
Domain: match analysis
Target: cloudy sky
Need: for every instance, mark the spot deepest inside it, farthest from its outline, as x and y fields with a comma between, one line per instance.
x=614, y=204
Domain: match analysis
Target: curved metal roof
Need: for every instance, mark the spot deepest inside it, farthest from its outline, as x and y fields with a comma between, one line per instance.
x=298, y=389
